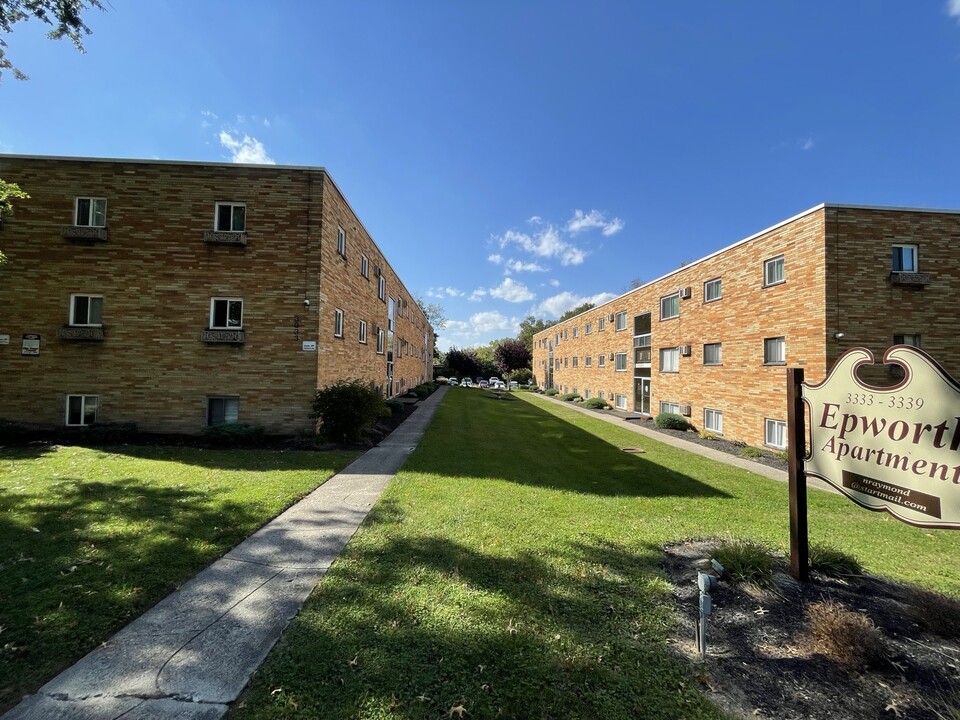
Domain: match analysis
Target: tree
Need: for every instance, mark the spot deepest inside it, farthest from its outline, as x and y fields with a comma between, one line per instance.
x=63, y=15
x=512, y=355
x=435, y=316
x=8, y=193
x=529, y=327
x=463, y=362
x=576, y=311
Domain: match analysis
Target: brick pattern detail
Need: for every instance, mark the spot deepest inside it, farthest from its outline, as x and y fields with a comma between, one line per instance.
x=157, y=274
x=837, y=279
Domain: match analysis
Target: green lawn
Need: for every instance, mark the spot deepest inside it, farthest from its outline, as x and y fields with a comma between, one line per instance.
x=91, y=538
x=511, y=570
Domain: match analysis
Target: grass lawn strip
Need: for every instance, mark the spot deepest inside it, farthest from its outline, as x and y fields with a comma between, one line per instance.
x=512, y=570
x=90, y=538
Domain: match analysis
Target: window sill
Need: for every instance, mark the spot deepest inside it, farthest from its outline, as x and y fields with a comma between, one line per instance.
x=220, y=237
x=84, y=232
x=80, y=334
x=780, y=282
x=775, y=364
x=235, y=337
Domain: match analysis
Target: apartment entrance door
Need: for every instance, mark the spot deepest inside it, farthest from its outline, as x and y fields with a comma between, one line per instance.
x=641, y=395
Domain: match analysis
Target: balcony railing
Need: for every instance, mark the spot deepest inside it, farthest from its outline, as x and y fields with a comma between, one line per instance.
x=234, y=337
x=84, y=232
x=913, y=279
x=217, y=237
x=81, y=334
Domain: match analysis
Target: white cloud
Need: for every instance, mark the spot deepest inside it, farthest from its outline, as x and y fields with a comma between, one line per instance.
x=477, y=295
x=477, y=330
x=535, y=220
x=546, y=243
x=594, y=219
x=953, y=8
x=554, y=307
x=807, y=143
x=444, y=292
x=495, y=259
x=512, y=291
x=245, y=150
x=520, y=266
x=555, y=282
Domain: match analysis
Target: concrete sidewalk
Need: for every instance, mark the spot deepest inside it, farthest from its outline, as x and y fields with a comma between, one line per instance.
x=192, y=654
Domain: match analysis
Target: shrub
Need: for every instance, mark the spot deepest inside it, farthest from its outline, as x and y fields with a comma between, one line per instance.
x=782, y=455
x=596, y=403
x=745, y=560
x=347, y=410
x=551, y=392
x=751, y=452
x=569, y=396
x=846, y=637
x=935, y=612
x=112, y=432
x=707, y=435
x=396, y=407
x=232, y=434
x=833, y=562
x=672, y=421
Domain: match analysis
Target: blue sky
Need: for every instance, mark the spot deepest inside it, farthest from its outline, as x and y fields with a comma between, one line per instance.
x=517, y=158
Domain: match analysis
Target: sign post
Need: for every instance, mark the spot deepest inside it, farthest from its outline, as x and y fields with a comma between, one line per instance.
x=797, y=450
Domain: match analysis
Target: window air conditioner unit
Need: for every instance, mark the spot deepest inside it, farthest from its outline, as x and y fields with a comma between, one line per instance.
x=611, y=317
x=685, y=410
x=611, y=356
x=686, y=293
x=376, y=271
x=686, y=350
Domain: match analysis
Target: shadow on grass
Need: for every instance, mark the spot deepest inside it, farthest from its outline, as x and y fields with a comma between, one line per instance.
x=239, y=459
x=522, y=443
x=420, y=625
x=82, y=558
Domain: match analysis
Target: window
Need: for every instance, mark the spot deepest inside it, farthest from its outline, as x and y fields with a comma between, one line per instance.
x=621, y=402
x=363, y=332
x=365, y=266
x=712, y=354
x=91, y=212
x=601, y=324
x=670, y=306
x=382, y=288
x=586, y=394
x=670, y=359
x=588, y=329
x=601, y=360
x=621, y=318
x=226, y=313
x=621, y=362
x=775, y=433
x=588, y=361
x=774, y=351
x=712, y=290
x=904, y=258
x=913, y=340
x=223, y=410
x=773, y=271
x=576, y=331
x=231, y=217
x=575, y=360
x=713, y=420
x=380, y=340
x=566, y=362
x=86, y=310
x=341, y=241
x=337, y=322
x=602, y=395
x=82, y=409
x=669, y=407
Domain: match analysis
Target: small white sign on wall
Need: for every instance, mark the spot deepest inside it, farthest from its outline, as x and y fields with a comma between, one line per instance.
x=4, y=339
x=31, y=345
x=310, y=345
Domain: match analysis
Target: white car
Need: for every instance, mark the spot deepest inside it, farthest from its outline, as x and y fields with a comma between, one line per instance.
x=452, y=381
x=514, y=385
x=467, y=382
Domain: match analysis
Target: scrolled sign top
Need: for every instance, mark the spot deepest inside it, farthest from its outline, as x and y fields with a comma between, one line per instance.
x=891, y=448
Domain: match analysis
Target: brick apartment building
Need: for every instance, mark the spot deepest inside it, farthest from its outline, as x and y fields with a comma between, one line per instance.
x=177, y=295
x=711, y=339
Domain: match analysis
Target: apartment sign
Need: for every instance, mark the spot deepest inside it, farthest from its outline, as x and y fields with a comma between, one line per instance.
x=893, y=449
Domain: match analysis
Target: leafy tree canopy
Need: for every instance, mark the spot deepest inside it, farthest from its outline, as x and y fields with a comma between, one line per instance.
x=434, y=313
x=64, y=16
x=576, y=311
x=529, y=327
x=8, y=193
x=512, y=355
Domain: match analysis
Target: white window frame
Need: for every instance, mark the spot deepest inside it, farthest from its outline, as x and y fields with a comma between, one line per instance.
x=719, y=359
x=337, y=322
x=669, y=407
x=380, y=340
x=713, y=420
x=363, y=332
x=341, y=241
x=365, y=266
x=588, y=329
x=588, y=361
x=779, y=346
x=770, y=276
x=671, y=297
x=620, y=362
x=576, y=331
x=382, y=288
x=84, y=401
x=915, y=256
x=91, y=219
x=621, y=402
x=576, y=360
x=670, y=359
x=73, y=302
x=227, y=400
x=601, y=360
x=601, y=324
x=229, y=301
x=718, y=284
x=621, y=321
x=231, y=205
x=774, y=430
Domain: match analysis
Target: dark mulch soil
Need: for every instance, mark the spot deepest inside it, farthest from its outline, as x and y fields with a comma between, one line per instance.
x=760, y=663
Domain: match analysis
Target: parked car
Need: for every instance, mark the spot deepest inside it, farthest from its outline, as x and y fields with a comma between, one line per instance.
x=483, y=384
x=452, y=381
x=495, y=380
x=498, y=385
x=514, y=385
x=466, y=382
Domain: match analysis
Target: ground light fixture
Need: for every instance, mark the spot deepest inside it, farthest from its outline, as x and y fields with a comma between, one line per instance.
x=706, y=582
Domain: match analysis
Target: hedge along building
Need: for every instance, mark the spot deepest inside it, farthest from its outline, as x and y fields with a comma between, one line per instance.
x=711, y=340
x=178, y=295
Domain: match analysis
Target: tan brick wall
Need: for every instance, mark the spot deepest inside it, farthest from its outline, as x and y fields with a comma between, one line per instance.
x=157, y=276
x=804, y=310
